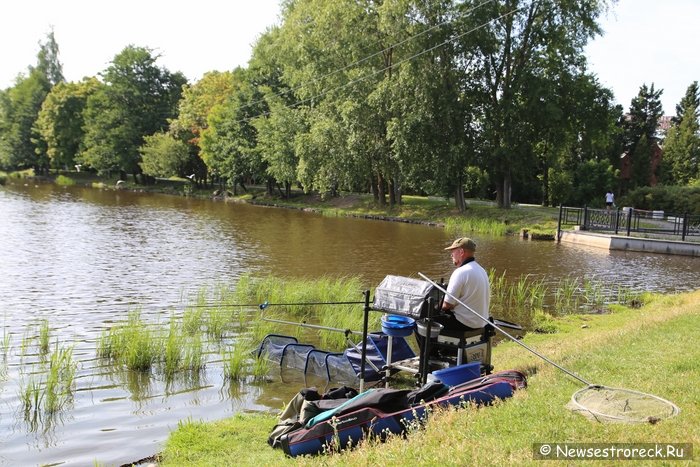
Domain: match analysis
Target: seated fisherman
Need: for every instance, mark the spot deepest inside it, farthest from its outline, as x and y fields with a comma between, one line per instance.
x=470, y=284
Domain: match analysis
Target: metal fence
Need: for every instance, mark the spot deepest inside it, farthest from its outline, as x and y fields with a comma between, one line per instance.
x=628, y=221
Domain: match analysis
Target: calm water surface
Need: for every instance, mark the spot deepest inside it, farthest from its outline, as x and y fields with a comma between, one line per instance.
x=77, y=257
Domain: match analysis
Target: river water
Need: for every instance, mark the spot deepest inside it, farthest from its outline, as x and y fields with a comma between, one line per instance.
x=78, y=256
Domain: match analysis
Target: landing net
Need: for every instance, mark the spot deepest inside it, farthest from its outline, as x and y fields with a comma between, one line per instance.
x=607, y=404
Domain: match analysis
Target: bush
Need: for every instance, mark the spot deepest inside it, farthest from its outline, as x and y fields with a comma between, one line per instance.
x=62, y=180
x=671, y=199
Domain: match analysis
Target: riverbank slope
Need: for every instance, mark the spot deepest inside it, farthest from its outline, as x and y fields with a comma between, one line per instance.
x=651, y=349
x=481, y=216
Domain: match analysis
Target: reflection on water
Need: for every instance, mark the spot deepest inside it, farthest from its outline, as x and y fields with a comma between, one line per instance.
x=78, y=257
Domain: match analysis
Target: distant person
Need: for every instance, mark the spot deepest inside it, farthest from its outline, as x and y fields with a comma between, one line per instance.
x=609, y=200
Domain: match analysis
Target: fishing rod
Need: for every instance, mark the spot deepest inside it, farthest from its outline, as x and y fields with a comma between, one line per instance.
x=114, y=307
x=313, y=326
x=487, y=321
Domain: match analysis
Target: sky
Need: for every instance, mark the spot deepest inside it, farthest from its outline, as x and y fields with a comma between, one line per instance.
x=644, y=41
x=193, y=37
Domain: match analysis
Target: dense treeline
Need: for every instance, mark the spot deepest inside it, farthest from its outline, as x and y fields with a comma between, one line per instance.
x=487, y=98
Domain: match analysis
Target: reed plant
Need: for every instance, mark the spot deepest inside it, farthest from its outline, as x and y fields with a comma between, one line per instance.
x=31, y=395
x=258, y=329
x=132, y=344
x=235, y=359
x=627, y=296
x=25, y=343
x=59, y=379
x=5, y=343
x=192, y=319
x=459, y=225
x=314, y=301
x=594, y=295
x=193, y=354
x=44, y=336
x=517, y=300
x=261, y=367
x=51, y=392
x=566, y=296
x=217, y=322
x=521, y=299
x=297, y=293
x=172, y=350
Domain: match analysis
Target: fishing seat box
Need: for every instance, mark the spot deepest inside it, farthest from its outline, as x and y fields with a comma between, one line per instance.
x=406, y=296
x=472, y=345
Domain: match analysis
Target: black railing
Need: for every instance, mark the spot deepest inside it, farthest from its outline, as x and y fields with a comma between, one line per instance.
x=629, y=221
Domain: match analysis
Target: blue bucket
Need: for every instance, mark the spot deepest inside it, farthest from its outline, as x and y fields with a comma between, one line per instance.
x=456, y=375
x=397, y=326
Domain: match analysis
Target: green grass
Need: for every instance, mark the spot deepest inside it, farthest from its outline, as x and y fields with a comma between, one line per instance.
x=199, y=443
x=44, y=336
x=5, y=343
x=651, y=349
x=47, y=394
x=522, y=299
x=261, y=368
x=235, y=360
x=172, y=357
x=293, y=294
x=63, y=180
x=460, y=226
x=59, y=380
x=193, y=354
x=133, y=344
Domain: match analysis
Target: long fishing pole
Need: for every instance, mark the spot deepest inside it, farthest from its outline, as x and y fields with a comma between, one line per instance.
x=313, y=326
x=573, y=375
x=252, y=306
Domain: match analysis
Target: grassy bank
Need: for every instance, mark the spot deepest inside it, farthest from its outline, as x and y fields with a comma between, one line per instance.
x=481, y=217
x=651, y=349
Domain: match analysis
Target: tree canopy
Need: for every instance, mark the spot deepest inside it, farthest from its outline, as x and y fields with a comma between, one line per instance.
x=391, y=97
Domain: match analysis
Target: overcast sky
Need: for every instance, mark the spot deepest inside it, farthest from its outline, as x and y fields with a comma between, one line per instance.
x=644, y=41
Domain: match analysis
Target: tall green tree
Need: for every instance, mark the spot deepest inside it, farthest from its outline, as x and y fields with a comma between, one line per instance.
x=576, y=132
x=48, y=63
x=276, y=136
x=60, y=122
x=19, y=108
x=681, y=156
x=640, y=134
x=164, y=156
x=433, y=123
x=138, y=100
x=229, y=143
x=690, y=99
x=344, y=54
x=515, y=42
x=20, y=145
x=197, y=101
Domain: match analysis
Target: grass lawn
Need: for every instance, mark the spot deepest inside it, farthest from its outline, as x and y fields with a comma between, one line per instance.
x=652, y=349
